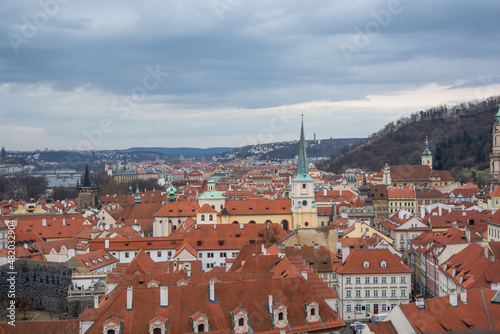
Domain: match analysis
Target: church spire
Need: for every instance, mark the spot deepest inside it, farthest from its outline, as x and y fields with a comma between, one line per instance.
x=302, y=165
x=137, y=198
x=427, y=152
x=86, y=182
x=497, y=116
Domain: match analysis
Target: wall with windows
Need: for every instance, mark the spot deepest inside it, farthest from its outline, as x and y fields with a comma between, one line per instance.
x=361, y=296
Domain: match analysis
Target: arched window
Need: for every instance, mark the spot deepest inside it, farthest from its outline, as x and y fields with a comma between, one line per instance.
x=284, y=224
x=211, y=217
x=201, y=328
x=268, y=222
x=280, y=316
x=157, y=331
x=313, y=311
x=241, y=322
x=251, y=222
x=306, y=224
x=202, y=217
x=174, y=228
x=111, y=331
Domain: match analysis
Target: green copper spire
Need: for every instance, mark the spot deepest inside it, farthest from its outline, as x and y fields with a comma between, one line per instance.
x=137, y=198
x=427, y=152
x=497, y=116
x=302, y=166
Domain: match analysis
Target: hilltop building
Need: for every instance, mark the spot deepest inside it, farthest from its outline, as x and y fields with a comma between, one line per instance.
x=495, y=154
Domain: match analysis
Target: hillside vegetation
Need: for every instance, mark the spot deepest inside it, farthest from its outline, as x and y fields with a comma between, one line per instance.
x=460, y=138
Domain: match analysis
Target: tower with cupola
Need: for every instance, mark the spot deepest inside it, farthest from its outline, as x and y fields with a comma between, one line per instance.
x=427, y=155
x=495, y=154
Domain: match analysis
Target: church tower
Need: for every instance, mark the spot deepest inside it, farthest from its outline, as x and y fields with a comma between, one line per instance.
x=304, y=211
x=495, y=154
x=427, y=155
x=87, y=191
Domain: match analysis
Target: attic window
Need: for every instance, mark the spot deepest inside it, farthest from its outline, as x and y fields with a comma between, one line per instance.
x=221, y=242
x=383, y=264
x=199, y=243
x=237, y=235
x=366, y=264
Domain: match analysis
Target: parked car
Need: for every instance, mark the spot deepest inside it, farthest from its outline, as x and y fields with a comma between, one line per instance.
x=357, y=323
x=358, y=327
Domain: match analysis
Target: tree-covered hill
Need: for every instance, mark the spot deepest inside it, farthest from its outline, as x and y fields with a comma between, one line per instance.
x=460, y=137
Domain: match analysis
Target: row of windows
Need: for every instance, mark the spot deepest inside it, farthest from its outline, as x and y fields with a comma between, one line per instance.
x=211, y=255
x=368, y=293
x=368, y=307
x=375, y=280
x=401, y=203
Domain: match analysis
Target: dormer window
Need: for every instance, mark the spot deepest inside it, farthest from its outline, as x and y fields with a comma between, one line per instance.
x=240, y=320
x=312, y=310
x=366, y=264
x=280, y=315
x=157, y=325
x=383, y=264
x=200, y=322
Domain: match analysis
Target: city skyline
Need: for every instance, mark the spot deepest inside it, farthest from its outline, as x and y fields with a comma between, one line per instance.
x=229, y=73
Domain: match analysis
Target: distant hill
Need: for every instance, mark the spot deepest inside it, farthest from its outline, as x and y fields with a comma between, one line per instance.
x=187, y=152
x=288, y=150
x=460, y=137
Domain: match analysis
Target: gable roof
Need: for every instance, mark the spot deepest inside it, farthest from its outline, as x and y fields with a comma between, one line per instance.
x=354, y=263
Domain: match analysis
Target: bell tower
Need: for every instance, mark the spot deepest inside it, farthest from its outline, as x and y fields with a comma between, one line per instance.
x=427, y=155
x=495, y=154
x=304, y=210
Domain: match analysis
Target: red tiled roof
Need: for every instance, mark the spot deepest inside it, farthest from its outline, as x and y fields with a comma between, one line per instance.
x=258, y=207
x=56, y=326
x=178, y=209
x=96, y=259
x=252, y=296
x=354, y=263
x=440, y=317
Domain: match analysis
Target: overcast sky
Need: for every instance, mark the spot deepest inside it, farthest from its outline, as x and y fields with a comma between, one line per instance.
x=203, y=73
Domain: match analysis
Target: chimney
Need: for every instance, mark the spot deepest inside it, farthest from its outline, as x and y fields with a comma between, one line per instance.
x=106, y=244
x=212, y=291
x=262, y=248
x=420, y=303
x=440, y=211
x=463, y=296
x=25, y=246
x=130, y=298
x=453, y=298
x=467, y=233
x=163, y=296
x=485, y=250
x=44, y=222
x=304, y=274
x=242, y=226
x=96, y=301
x=281, y=254
x=270, y=304
x=64, y=221
x=346, y=251
x=189, y=273
x=422, y=213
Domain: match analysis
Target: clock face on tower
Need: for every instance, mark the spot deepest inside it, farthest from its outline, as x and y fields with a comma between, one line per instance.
x=304, y=203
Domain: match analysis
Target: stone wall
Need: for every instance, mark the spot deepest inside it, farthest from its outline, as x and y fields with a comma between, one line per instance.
x=45, y=282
